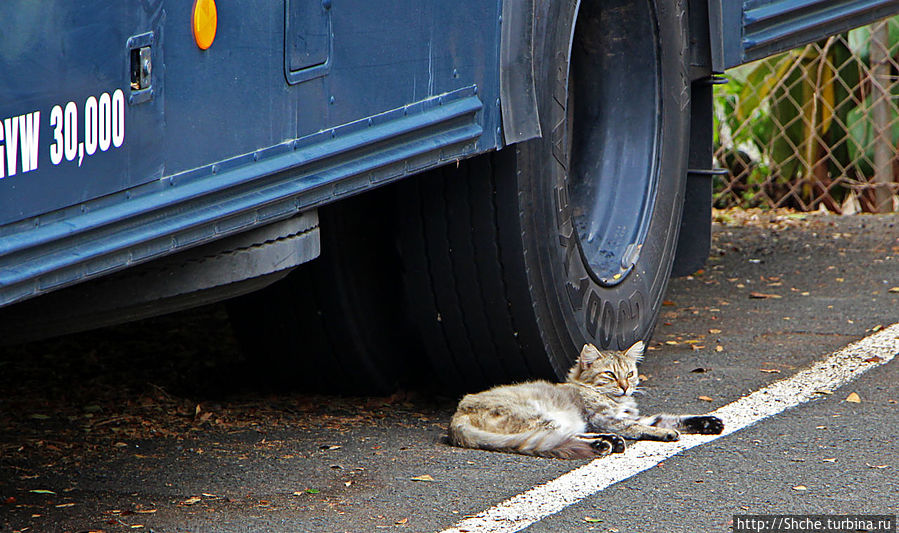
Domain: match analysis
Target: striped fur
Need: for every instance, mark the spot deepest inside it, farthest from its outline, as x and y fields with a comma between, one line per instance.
x=587, y=416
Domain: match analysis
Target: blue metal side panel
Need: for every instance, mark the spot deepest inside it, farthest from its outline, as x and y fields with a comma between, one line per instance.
x=225, y=138
x=56, y=52
x=232, y=98
x=754, y=29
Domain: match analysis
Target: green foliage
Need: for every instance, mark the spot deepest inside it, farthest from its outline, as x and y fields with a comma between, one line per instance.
x=778, y=117
x=861, y=134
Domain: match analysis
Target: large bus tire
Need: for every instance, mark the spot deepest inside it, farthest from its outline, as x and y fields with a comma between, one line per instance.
x=513, y=260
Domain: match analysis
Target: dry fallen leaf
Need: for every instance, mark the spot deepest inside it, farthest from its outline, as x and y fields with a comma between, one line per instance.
x=764, y=296
x=425, y=477
x=713, y=331
x=719, y=348
x=669, y=303
x=874, y=359
x=706, y=398
x=769, y=370
x=830, y=460
x=800, y=487
x=853, y=398
x=401, y=521
x=869, y=465
x=72, y=504
x=190, y=501
x=591, y=519
x=894, y=289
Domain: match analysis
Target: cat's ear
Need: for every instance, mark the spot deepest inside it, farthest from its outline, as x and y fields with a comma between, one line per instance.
x=635, y=352
x=589, y=355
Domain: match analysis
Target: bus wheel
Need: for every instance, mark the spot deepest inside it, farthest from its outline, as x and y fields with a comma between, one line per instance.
x=513, y=260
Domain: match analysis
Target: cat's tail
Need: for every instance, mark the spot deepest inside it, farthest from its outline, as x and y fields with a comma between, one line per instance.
x=540, y=442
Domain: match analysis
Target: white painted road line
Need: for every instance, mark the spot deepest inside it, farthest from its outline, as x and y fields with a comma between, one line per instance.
x=544, y=500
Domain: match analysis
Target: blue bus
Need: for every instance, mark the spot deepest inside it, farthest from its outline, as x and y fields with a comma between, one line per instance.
x=472, y=187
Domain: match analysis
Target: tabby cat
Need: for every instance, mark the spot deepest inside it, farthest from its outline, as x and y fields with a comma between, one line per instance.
x=589, y=415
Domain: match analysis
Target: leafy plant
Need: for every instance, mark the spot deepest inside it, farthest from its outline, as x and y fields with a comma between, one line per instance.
x=796, y=124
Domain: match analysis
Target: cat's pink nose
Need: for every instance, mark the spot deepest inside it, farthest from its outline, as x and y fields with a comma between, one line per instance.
x=623, y=386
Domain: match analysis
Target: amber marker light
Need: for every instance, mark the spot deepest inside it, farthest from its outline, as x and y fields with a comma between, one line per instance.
x=204, y=22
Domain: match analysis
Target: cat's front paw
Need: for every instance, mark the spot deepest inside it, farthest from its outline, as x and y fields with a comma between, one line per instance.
x=704, y=425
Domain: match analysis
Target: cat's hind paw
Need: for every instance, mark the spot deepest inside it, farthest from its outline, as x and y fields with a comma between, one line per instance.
x=704, y=425
x=604, y=443
x=618, y=445
x=669, y=435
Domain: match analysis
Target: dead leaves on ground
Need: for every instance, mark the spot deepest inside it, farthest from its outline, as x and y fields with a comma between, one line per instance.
x=764, y=296
x=853, y=398
x=776, y=218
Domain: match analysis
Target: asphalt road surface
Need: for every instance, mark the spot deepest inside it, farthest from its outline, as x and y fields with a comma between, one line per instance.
x=150, y=426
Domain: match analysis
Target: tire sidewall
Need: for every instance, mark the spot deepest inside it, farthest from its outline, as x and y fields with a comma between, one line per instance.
x=570, y=306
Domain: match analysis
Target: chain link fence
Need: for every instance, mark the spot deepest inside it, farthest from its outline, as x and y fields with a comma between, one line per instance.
x=814, y=128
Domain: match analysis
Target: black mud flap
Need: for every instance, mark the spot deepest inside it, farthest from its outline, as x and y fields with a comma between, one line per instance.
x=695, y=239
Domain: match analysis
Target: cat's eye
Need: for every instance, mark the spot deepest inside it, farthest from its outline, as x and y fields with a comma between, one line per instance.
x=630, y=374
x=608, y=374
